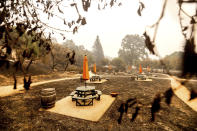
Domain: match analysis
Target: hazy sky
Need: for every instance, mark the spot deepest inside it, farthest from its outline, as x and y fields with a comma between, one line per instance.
x=112, y=24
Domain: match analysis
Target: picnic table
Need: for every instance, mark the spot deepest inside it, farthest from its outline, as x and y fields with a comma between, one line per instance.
x=84, y=91
x=84, y=95
x=141, y=77
x=96, y=77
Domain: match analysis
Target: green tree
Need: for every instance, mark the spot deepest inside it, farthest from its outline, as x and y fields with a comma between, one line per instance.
x=70, y=44
x=132, y=49
x=60, y=57
x=98, y=51
x=153, y=64
x=25, y=49
x=80, y=52
x=27, y=16
x=119, y=63
x=105, y=62
x=173, y=61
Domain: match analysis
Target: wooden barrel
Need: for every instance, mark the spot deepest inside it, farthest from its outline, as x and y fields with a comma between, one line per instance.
x=48, y=97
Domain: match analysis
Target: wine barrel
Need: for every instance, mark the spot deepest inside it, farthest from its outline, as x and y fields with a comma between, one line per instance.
x=48, y=97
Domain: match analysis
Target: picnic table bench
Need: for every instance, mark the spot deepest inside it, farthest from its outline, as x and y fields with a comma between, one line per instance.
x=85, y=101
x=99, y=93
x=84, y=96
x=93, y=78
x=72, y=94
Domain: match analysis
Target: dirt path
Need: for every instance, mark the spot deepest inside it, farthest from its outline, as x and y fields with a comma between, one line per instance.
x=181, y=91
x=8, y=90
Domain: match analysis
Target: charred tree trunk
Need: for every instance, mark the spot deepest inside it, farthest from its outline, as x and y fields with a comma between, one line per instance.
x=15, y=81
x=53, y=61
x=27, y=83
x=27, y=68
x=66, y=66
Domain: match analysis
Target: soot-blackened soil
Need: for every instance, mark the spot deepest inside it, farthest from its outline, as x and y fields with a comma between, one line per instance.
x=21, y=111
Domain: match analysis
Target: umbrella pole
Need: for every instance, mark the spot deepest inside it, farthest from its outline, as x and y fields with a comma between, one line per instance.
x=85, y=83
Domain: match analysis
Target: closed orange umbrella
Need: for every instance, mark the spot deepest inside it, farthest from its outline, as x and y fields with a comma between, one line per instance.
x=85, y=68
x=95, y=68
x=140, y=69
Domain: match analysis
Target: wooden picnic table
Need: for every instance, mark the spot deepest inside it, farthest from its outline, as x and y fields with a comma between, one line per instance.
x=84, y=95
x=96, y=77
x=84, y=91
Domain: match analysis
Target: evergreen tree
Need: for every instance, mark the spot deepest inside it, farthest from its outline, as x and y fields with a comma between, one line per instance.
x=132, y=49
x=98, y=51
